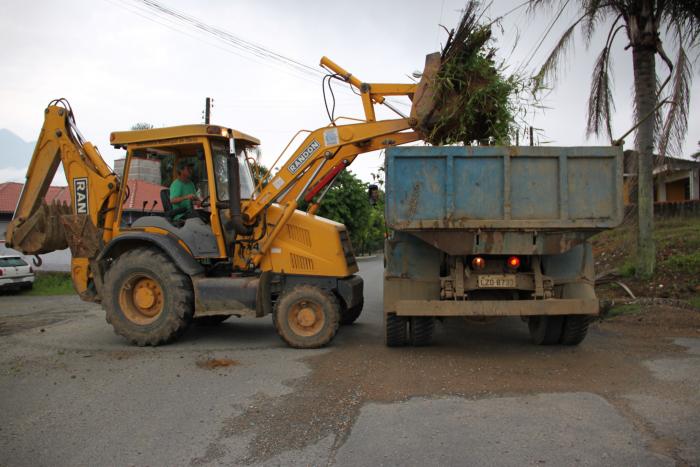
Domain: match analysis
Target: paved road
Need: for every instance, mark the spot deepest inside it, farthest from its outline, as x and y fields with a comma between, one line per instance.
x=73, y=393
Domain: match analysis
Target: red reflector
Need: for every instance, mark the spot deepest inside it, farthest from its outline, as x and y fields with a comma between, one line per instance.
x=514, y=262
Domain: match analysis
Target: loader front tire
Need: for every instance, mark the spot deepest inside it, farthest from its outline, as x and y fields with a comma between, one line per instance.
x=306, y=317
x=148, y=300
x=350, y=315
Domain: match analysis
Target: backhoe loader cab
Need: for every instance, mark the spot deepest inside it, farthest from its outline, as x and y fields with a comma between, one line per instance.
x=161, y=272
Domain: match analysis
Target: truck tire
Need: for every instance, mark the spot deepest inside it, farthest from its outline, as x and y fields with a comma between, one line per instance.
x=212, y=320
x=148, y=300
x=350, y=315
x=306, y=317
x=421, y=330
x=575, y=329
x=396, y=330
x=545, y=330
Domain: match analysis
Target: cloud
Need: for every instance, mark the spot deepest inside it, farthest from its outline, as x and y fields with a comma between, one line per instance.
x=12, y=174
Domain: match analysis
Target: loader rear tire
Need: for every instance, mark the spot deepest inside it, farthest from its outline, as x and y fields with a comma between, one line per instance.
x=421, y=330
x=148, y=300
x=545, y=330
x=350, y=315
x=306, y=317
x=396, y=330
x=575, y=329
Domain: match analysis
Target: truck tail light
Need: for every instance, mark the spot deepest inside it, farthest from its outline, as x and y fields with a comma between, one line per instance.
x=478, y=263
x=514, y=262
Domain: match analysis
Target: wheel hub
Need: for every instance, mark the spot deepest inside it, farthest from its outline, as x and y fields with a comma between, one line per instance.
x=141, y=299
x=306, y=318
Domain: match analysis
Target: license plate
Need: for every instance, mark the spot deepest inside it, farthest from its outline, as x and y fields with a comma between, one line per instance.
x=497, y=281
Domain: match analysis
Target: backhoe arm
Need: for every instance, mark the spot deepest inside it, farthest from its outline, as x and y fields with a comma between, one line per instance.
x=37, y=228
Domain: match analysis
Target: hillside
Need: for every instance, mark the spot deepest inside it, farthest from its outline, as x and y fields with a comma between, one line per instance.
x=14, y=151
x=677, y=274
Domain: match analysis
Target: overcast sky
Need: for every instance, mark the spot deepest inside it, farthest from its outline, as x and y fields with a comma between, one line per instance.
x=118, y=64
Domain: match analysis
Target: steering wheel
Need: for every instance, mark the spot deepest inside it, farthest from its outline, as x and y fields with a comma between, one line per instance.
x=205, y=203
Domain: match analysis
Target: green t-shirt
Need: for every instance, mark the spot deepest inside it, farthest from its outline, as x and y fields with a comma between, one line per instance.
x=179, y=188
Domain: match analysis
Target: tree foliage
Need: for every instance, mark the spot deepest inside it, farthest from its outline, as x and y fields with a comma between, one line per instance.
x=658, y=127
x=346, y=202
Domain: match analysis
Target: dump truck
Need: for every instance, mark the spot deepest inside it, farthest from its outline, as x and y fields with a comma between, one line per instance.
x=496, y=231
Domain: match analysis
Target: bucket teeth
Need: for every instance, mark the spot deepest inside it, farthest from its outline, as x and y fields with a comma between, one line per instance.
x=42, y=232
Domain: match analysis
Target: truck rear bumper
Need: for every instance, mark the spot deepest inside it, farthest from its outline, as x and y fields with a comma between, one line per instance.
x=570, y=306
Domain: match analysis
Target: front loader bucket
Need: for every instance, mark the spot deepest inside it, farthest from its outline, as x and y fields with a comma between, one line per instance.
x=463, y=95
x=41, y=233
x=424, y=102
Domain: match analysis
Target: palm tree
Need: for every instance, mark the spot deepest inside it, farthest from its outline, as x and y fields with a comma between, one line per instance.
x=661, y=113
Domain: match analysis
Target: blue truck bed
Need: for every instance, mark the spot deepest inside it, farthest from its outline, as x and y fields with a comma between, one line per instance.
x=503, y=188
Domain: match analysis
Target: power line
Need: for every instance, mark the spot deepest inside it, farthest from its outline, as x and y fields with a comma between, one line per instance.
x=230, y=38
x=170, y=24
x=544, y=36
x=170, y=17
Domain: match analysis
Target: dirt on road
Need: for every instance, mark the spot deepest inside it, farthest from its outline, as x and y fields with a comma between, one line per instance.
x=471, y=360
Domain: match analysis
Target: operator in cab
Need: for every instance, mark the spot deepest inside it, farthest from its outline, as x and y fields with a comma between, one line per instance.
x=183, y=193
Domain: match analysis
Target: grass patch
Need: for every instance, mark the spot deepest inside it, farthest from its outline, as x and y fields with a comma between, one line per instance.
x=52, y=283
x=695, y=301
x=688, y=264
x=621, y=310
x=628, y=269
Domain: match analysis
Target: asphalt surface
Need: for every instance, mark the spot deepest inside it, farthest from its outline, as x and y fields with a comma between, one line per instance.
x=74, y=393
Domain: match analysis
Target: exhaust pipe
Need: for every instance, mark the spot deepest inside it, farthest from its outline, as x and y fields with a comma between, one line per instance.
x=234, y=196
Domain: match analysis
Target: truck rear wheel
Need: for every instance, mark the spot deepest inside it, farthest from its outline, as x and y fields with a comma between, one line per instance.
x=545, y=330
x=396, y=330
x=306, y=317
x=575, y=329
x=148, y=300
x=421, y=330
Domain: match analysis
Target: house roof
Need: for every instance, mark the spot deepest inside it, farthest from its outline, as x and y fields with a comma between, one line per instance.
x=139, y=190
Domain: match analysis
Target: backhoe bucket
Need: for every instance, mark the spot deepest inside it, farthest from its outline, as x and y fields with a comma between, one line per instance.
x=41, y=233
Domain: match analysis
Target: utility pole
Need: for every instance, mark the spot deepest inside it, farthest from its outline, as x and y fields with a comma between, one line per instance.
x=207, y=110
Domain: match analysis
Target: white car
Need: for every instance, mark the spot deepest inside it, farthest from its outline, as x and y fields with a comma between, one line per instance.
x=15, y=273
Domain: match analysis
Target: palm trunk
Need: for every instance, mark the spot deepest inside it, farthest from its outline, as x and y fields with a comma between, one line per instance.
x=645, y=98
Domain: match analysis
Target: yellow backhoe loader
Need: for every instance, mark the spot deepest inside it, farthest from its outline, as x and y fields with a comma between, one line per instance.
x=247, y=251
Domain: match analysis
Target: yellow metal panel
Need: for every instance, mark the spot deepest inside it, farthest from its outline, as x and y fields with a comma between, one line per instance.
x=307, y=245
x=124, y=138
